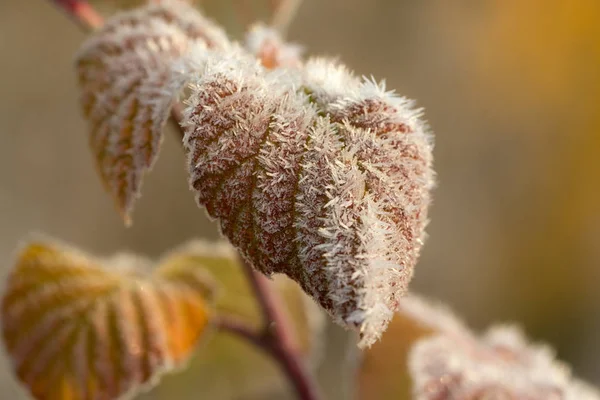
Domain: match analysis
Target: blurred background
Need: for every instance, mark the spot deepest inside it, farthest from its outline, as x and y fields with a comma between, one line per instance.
x=510, y=88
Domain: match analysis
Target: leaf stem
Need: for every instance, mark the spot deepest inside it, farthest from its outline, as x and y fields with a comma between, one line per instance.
x=81, y=12
x=279, y=334
x=291, y=364
x=276, y=338
x=242, y=329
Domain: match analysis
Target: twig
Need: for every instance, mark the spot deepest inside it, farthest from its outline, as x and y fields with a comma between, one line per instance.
x=273, y=342
x=279, y=334
x=276, y=322
x=277, y=337
x=241, y=329
x=284, y=15
x=81, y=12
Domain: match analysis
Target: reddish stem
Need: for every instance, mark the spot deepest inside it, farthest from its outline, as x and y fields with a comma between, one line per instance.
x=241, y=329
x=277, y=337
x=278, y=333
x=81, y=12
x=289, y=361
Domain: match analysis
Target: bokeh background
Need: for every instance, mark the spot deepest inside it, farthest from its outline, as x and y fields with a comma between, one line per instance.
x=511, y=89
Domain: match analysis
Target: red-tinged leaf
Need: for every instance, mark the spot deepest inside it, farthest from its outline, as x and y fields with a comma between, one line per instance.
x=330, y=188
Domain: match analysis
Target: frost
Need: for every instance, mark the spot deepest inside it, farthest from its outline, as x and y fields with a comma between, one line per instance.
x=454, y=364
x=268, y=46
x=327, y=184
x=127, y=88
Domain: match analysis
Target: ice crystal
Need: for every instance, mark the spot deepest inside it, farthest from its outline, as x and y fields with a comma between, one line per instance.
x=270, y=48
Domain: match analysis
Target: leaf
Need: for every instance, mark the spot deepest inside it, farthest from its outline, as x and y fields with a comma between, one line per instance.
x=225, y=367
x=311, y=172
x=384, y=371
x=330, y=188
x=429, y=354
x=127, y=90
x=77, y=328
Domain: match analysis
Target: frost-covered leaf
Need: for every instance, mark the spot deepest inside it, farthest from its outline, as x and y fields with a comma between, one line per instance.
x=324, y=180
x=430, y=354
x=225, y=367
x=124, y=74
x=311, y=171
x=499, y=365
x=79, y=328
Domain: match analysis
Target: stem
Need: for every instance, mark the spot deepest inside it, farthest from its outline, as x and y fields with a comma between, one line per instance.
x=278, y=332
x=305, y=388
x=276, y=338
x=241, y=329
x=276, y=322
x=81, y=12
x=284, y=15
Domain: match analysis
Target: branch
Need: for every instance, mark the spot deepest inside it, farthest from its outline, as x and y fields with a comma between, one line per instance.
x=241, y=329
x=280, y=335
x=276, y=338
x=273, y=342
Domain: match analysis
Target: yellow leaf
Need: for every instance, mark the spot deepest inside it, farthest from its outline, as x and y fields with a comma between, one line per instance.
x=77, y=328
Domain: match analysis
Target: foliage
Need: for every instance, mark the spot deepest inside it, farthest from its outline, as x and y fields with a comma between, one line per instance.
x=76, y=327
x=311, y=172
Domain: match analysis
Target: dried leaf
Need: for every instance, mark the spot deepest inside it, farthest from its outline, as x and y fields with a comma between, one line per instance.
x=330, y=188
x=383, y=372
x=75, y=329
x=127, y=91
x=499, y=365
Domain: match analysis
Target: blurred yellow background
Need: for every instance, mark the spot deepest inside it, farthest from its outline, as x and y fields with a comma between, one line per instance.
x=510, y=88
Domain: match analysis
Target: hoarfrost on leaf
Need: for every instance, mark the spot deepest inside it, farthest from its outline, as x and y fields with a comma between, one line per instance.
x=454, y=364
x=327, y=185
x=124, y=72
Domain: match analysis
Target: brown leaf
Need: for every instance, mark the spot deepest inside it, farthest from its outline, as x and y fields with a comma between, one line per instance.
x=329, y=188
x=124, y=75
